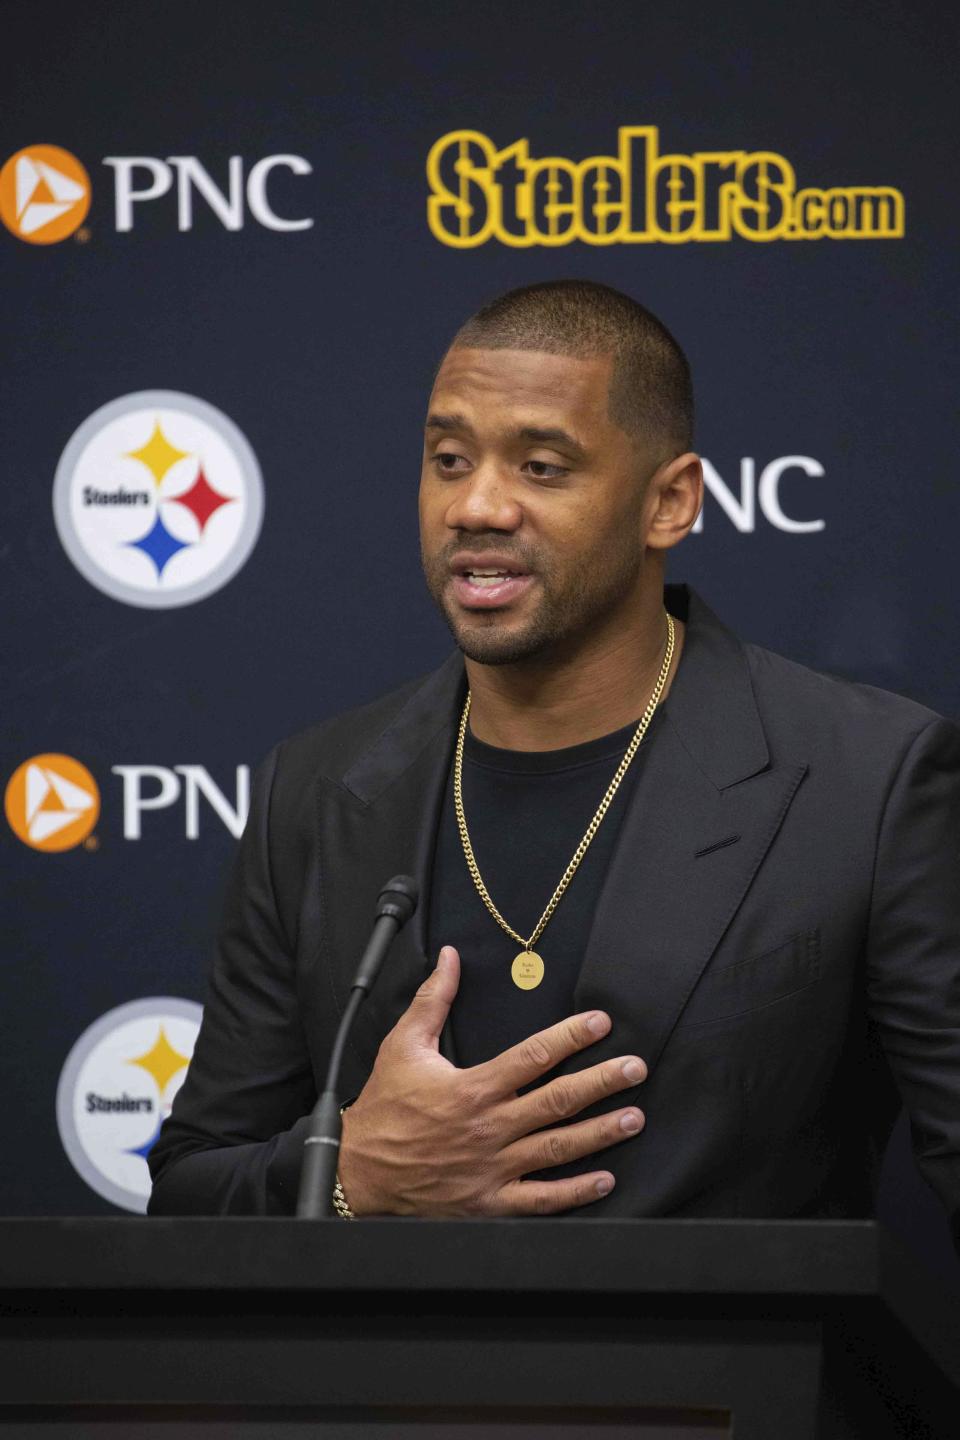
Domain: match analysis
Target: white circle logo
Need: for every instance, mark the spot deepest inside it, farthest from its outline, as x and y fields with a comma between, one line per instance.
x=116, y=1089
x=158, y=499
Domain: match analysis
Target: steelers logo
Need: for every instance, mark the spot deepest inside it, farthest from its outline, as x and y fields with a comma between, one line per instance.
x=158, y=499
x=44, y=194
x=52, y=802
x=116, y=1089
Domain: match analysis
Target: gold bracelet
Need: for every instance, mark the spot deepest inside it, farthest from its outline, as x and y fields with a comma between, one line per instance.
x=340, y=1202
x=339, y=1199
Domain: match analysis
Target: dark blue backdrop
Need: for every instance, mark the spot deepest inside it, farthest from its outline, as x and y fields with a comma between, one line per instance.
x=319, y=344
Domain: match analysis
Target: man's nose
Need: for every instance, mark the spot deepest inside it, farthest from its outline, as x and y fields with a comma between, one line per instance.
x=484, y=501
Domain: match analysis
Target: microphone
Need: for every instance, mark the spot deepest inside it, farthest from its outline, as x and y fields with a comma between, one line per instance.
x=396, y=903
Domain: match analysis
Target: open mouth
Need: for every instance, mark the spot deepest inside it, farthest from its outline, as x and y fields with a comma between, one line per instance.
x=488, y=581
x=485, y=578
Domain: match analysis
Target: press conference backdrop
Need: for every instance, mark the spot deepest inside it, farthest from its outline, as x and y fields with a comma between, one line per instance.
x=237, y=237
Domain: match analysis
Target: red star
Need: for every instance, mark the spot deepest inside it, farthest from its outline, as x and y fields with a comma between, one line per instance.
x=201, y=499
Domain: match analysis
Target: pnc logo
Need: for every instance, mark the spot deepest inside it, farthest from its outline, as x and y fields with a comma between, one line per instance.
x=52, y=802
x=44, y=194
x=740, y=507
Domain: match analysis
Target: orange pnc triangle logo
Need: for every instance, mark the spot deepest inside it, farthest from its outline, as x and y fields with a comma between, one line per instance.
x=52, y=802
x=44, y=194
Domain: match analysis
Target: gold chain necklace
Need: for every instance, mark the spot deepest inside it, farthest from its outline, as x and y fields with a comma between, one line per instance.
x=527, y=969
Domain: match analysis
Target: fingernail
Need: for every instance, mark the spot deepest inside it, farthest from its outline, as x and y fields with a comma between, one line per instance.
x=444, y=958
x=633, y=1070
x=630, y=1122
x=604, y=1186
x=598, y=1023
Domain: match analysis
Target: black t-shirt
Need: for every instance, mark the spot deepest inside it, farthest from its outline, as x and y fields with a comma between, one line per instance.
x=526, y=813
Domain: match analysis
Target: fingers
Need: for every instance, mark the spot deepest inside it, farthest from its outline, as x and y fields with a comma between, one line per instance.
x=572, y=1142
x=569, y=1094
x=552, y=1197
x=533, y=1057
x=429, y=1008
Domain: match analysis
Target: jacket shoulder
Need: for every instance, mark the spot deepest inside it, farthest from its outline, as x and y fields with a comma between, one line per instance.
x=814, y=703
x=331, y=746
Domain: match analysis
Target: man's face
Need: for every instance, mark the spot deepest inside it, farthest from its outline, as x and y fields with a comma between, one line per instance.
x=531, y=502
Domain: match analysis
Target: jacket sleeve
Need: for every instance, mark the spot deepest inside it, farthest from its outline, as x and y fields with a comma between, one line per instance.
x=234, y=1140
x=913, y=952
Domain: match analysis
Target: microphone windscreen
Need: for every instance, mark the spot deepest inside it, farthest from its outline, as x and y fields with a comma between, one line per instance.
x=399, y=898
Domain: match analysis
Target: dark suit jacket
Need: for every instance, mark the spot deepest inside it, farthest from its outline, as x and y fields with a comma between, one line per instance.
x=778, y=935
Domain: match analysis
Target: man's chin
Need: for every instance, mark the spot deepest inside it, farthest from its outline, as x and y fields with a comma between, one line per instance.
x=494, y=641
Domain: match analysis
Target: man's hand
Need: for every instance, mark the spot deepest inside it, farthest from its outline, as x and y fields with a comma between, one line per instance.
x=424, y=1138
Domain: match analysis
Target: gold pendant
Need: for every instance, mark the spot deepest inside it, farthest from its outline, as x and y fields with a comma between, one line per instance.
x=527, y=970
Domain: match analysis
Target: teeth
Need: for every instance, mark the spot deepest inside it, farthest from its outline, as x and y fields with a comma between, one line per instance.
x=487, y=572
x=486, y=577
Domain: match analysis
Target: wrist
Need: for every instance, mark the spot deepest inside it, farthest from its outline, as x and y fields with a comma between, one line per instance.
x=358, y=1194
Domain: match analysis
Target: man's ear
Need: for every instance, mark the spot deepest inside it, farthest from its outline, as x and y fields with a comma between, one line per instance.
x=674, y=498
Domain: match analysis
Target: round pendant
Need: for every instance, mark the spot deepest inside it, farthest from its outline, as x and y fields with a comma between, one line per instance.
x=527, y=970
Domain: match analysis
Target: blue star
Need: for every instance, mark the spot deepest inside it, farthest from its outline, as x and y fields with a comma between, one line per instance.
x=159, y=545
x=144, y=1150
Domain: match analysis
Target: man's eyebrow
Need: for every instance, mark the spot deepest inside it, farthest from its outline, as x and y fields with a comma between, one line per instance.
x=540, y=435
x=448, y=422
x=551, y=435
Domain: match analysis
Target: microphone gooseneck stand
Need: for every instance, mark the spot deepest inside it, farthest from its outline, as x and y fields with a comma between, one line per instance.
x=396, y=904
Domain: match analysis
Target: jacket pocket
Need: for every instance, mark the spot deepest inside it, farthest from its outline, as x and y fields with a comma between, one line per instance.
x=750, y=984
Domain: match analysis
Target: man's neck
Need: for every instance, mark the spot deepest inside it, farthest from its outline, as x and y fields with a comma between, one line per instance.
x=543, y=705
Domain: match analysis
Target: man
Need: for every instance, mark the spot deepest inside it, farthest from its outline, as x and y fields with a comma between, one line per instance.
x=658, y=866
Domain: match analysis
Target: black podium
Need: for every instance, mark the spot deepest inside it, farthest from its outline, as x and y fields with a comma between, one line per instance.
x=415, y=1330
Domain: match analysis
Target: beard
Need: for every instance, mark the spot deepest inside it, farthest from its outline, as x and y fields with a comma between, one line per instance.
x=566, y=607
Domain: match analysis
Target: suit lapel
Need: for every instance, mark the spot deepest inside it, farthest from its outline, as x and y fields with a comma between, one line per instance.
x=664, y=909
x=377, y=820
x=708, y=806
x=701, y=820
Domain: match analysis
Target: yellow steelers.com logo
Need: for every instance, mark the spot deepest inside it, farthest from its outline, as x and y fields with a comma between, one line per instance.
x=638, y=196
x=44, y=194
x=52, y=802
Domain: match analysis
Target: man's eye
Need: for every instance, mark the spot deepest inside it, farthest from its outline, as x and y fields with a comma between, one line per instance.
x=543, y=470
x=448, y=462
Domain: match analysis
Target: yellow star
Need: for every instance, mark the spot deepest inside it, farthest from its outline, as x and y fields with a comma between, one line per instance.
x=161, y=1060
x=158, y=454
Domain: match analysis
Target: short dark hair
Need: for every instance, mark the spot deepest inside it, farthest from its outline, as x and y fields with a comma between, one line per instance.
x=651, y=394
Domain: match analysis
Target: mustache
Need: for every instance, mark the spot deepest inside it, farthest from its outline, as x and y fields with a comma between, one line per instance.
x=477, y=543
